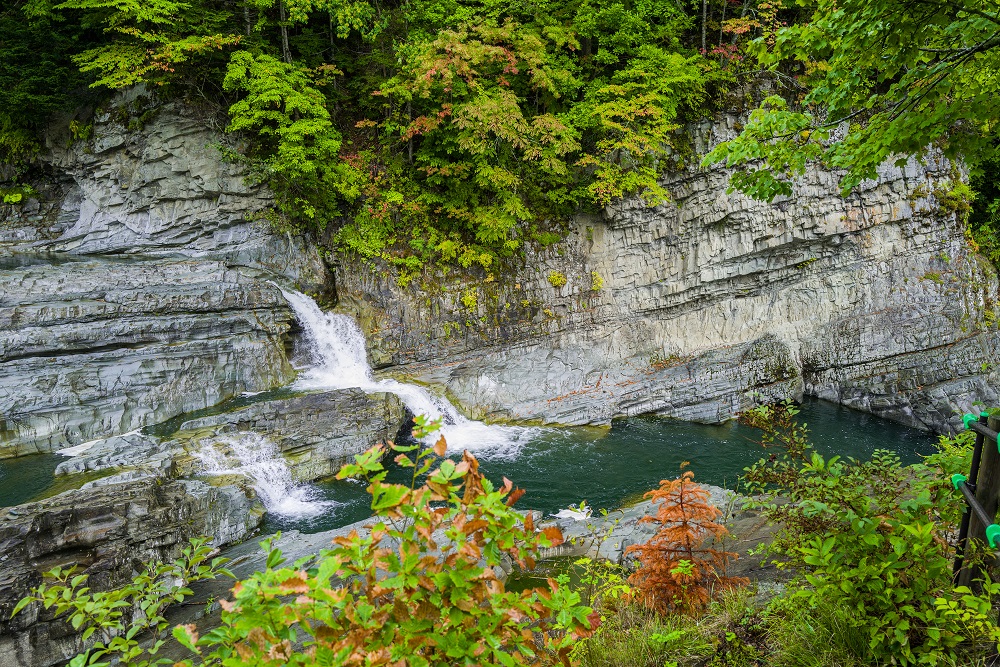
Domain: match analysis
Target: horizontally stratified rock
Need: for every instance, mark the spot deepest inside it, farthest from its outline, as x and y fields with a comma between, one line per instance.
x=317, y=433
x=152, y=180
x=110, y=532
x=691, y=308
x=135, y=286
x=103, y=346
x=131, y=450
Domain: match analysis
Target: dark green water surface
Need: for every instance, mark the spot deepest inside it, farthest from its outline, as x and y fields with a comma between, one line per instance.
x=611, y=468
x=607, y=468
x=26, y=477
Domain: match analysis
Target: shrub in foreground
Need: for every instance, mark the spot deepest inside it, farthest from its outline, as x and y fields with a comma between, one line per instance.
x=420, y=589
x=678, y=569
x=869, y=539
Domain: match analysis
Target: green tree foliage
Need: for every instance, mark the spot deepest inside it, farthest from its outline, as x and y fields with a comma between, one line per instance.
x=297, y=145
x=37, y=74
x=442, y=130
x=147, y=40
x=881, y=80
x=635, y=118
x=483, y=158
x=984, y=218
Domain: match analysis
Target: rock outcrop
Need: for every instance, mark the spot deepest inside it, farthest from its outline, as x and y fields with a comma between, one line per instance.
x=104, y=346
x=136, y=286
x=111, y=533
x=316, y=433
x=151, y=180
x=697, y=308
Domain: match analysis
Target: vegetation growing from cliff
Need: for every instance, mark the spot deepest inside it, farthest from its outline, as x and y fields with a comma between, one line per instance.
x=868, y=82
x=440, y=130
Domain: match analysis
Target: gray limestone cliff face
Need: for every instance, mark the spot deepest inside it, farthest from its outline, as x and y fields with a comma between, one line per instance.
x=698, y=308
x=136, y=287
x=98, y=347
x=151, y=180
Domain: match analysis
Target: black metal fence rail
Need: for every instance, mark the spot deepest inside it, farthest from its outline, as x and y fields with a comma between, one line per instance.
x=988, y=529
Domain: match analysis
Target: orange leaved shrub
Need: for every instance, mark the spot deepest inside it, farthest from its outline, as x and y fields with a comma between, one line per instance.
x=678, y=571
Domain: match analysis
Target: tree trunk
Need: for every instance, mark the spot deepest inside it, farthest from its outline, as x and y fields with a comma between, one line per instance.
x=286, y=51
x=409, y=142
x=722, y=21
x=704, y=20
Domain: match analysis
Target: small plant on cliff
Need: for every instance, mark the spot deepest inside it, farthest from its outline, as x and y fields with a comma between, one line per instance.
x=678, y=570
x=596, y=281
x=121, y=618
x=470, y=299
x=557, y=279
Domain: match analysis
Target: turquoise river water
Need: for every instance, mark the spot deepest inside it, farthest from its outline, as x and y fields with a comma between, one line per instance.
x=610, y=468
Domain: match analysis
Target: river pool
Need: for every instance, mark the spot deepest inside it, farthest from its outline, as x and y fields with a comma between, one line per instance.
x=609, y=468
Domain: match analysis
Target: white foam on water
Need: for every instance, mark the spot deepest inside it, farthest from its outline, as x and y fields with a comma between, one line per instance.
x=258, y=459
x=339, y=360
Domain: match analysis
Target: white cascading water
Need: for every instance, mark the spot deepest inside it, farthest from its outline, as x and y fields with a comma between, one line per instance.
x=340, y=361
x=258, y=459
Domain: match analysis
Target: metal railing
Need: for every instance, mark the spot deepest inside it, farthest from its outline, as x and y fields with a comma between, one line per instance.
x=979, y=495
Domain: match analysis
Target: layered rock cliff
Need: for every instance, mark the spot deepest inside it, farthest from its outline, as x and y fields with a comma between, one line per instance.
x=698, y=308
x=693, y=309
x=163, y=304
x=109, y=533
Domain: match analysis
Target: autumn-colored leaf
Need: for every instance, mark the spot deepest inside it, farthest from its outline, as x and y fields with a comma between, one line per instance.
x=515, y=495
x=297, y=583
x=554, y=534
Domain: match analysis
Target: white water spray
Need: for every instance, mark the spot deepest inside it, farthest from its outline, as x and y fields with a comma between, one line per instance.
x=340, y=361
x=257, y=458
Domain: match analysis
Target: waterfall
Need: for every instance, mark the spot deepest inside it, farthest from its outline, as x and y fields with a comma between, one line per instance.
x=257, y=458
x=339, y=360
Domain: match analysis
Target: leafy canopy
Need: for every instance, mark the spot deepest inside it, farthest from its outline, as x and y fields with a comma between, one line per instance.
x=881, y=80
x=444, y=130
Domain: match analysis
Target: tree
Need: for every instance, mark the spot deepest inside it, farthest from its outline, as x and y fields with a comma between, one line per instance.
x=148, y=39
x=297, y=146
x=872, y=81
x=37, y=75
x=678, y=571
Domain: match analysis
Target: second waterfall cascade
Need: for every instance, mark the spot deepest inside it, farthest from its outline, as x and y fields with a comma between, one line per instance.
x=259, y=459
x=340, y=361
